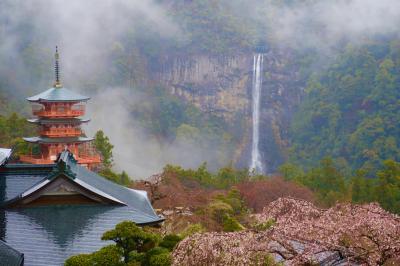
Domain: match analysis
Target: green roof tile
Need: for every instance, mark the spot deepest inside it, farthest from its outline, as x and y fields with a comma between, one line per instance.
x=57, y=140
x=44, y=121
x=58, y=95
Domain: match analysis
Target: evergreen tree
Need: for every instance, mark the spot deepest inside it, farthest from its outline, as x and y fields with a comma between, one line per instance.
x=103, y=145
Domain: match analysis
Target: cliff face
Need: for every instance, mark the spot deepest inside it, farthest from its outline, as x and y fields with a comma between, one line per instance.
x=214, y=84
x=222, y=85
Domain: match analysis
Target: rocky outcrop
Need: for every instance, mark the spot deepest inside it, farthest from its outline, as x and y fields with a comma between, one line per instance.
x=302, y=235
x=214, y=84
x=222, y=85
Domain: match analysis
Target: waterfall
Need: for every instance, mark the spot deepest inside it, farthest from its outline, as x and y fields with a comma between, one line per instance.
x=256, y=164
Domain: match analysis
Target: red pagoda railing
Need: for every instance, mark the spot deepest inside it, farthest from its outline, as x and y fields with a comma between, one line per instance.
x=34, y=159
x=82, y=159
x=61, y=132
x=59, y=111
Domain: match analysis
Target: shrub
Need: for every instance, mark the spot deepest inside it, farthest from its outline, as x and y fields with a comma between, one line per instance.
x=108, y=256
x=153, y=253
x=265, y=225
x=135, y=257
x=170, y=241
x=128, y=236
x=192, y=229
x=230, y=224
x=79, y=260
x=163, y=259
x=219, y=209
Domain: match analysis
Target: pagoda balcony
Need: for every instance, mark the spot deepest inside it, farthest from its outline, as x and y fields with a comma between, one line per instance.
x=88, y=159
x=35, y=159
x=84, y=159
x=61, y=132
x=74, y=111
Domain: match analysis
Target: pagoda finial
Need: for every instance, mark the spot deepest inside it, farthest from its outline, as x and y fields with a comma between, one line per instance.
x=57, y=84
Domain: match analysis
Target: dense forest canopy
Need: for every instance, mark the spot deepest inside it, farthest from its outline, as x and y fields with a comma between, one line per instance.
x=351, y=110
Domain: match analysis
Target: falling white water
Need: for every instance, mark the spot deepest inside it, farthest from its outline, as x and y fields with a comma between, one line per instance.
x=256, y=164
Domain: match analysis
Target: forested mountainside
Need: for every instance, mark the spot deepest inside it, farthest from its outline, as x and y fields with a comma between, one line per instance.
x=323, y=93
x=351, y=110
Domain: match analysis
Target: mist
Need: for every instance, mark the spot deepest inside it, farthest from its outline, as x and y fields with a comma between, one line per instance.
x=323, y=25
x=85, y=31
x=135, y=151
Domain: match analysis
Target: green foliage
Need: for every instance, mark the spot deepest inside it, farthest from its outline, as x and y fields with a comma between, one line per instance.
x=172, y=120
x=234, y=200
x=170, y=241
x=388, y=186
x=291, y=172
x=265, y=225
x=107, y=256
x=331, y=185
x=265, y=260
x=122, y=179
x=351, y=110
x=136, y=257
x=327, y=181
x=224, y=178
x=270, y=261
x=104, y=147
x=226, y=209
x=163, y=259
x=219, y=210
x=215, y=26
x=134, y=246
x=12, y=129
x=129, y=237
x=156, y=257
x=192, y=229
x=230, y=224
x=79, y=260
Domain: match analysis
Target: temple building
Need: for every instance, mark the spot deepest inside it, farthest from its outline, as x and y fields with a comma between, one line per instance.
x=59, y=113
x=53, y=206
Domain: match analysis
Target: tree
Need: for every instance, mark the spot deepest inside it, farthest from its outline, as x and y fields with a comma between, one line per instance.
x=133, y=246
x=107, y=256
x=388, y=188
x=103, y=145
x=130, y=237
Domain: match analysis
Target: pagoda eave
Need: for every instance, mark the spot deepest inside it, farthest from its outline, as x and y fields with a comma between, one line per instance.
x=42, y=140
x=58, y=95
x=44, y=121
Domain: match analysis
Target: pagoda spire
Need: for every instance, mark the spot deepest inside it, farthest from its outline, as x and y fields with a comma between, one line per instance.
x=57, y=83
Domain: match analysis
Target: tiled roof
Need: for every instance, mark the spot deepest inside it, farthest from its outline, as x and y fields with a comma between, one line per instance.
x=53, y=233
x=4, y=155
x=17, y=179
x=59, y=120
x=58, y=95
x=57, y=140
x=10, y=256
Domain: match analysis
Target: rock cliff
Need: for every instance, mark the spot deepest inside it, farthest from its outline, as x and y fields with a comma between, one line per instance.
x=222, y=85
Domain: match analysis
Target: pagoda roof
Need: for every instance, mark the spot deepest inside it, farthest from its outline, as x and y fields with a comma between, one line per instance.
x=58, y=95
x=58, y=120
x=57, y=140
x=56, y=232
x=4, y=155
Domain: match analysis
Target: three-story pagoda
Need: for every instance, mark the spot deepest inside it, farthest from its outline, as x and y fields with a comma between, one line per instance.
x=59, y=114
